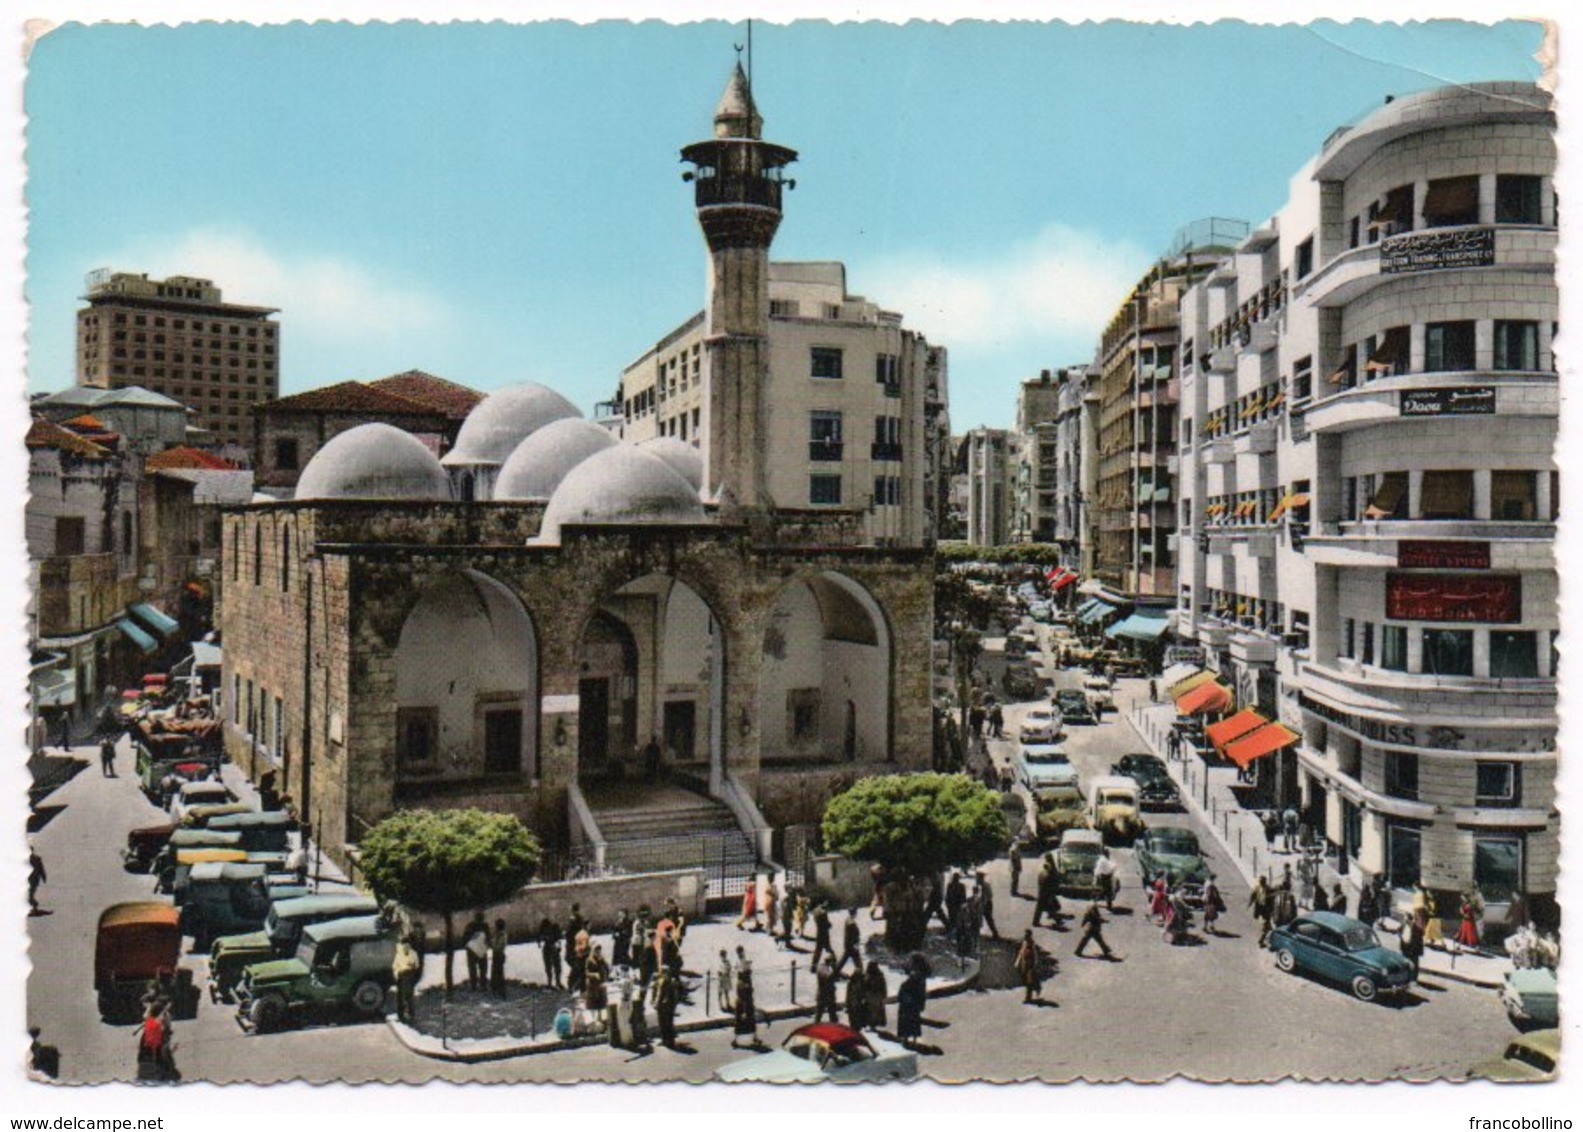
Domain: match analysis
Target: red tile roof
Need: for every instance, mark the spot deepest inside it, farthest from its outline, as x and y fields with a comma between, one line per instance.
x=454, y=400
x=183, y=456
x=47, y=434
x=349, y=397
x=87, y=422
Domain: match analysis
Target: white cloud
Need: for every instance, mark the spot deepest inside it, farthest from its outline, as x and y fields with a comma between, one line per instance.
x=323, y=298
x=1065, y=283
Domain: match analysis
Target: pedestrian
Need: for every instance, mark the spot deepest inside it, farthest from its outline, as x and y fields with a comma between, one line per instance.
x=1027, y=966
x=1159, y=899
x=851, y=944
x=1468, y=930
x=1214, y=905
x=746, y=1013
x=1307, y=879
x=1048, y=902
x=750, y=906
x=670, y=948
x=1261, y=901
x=727, y=980
x=935, y=906
x=651, y=758
x=1412, y=942
x=824, y=992
x=1284, y=906
x=475, y=941
x=637, y=1019
x=1338, y=899
x=955, y=897
x=1272, y=826
x=1368, y=911
x=596, y=975
x=876, y=904
x=151, y=1045
x=107, y=757
x=856, y=1003
x=788, y=917
x=673, y=913
x=404, y=969
x=1014, y=857
x=550, y=950
x=800, y=915
x=1173, y=745
x=1289, y=828
x=997, y=721
x=821, y=932
x=770, y=905
x=574, y=971
x=1106, y=882
x=667, y=997
x=1424, y=902
x=648, y=955
x=986, y=904
x=621, y=940
x=1321, y=901
x=910, y=1001
x=975, y=722
x=964, y=935
x=1093, y=930
x=577, y=949
x=499, y=940
x=875, y=992
x=36, y=875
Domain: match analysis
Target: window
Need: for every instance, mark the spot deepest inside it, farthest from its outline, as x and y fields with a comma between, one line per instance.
x=285, y=560
x=70, y=534
x=1516, y=345
x=824, y=489
x=802, y=710
x=1393, y=647
x=1348, y=633
x=832, y=310
x=825, y=362
x=1391, y=214
x=1517, y=199
x=783, y=308
x=1514, y=497
x=1448, y=346
x=1401, y=775
x=1404, y=851
x=887, y=491
x=1514, y=653
x=286, y=453
x=1352, y=827
x=1305, y=259
x=1450, y=201
x=126, y=532
x=415, y=735
x=1446, y=495
x=1388, y=498
x=887, y=373
x=503, y=741
x=824, y=434
x=1498, y=866
x=258, y=554
x=1367, y=656
x=1448, y=652
x=1387, y=353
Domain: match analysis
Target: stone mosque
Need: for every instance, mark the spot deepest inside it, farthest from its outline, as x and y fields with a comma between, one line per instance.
x=513, y=625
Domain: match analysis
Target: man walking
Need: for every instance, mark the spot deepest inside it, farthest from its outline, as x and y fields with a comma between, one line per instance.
x=851, y=944
x=824, y=991
x=107, y=757
x=1289, y=828
x=955, y=897
x=726, y=976
x=405, y=969
x=1049, y=899
x=621, y=941
x=1015, y=859
x=986, y=904
x=1093, y=930
x=35, y=877
x=1027, y=966
x=667, y=997
x=821, y=933
x=499, y=939
x=550, y=949
x=1261, y=903
x=475, y=941
x=1105, y=879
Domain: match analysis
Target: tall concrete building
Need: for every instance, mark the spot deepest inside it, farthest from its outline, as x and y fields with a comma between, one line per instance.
x=989, y=486
x=1034, y=460
x=176, y=337
x=1076, y=466
x=1370, y=411
x=1135, y=508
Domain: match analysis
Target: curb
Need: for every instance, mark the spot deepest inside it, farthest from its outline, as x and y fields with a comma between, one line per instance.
x=498, y=1049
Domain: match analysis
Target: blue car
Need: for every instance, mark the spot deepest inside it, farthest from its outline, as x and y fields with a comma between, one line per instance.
x=1342, y=949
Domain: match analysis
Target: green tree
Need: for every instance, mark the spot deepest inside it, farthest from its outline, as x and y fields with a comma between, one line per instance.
x=448, y=861
x=916, y=826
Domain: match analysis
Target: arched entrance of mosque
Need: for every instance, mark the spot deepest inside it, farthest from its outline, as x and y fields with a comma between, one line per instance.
x=825, y=685
x=466, y=684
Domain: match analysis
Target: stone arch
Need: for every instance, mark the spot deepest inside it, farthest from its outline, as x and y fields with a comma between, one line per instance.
x=825, y=684
x=467, y=674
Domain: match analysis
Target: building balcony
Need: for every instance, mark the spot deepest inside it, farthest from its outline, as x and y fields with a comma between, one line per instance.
x=1347, y=683
x=1373, y=543
x=1217, y=451
x=825, y=451
x=1224, y=360
x=879, y=451
x=1253, y=648
x=1258, y=440
x=1415, y=396
x=1349, y=276
x=1254, y=541
x=1262, y=337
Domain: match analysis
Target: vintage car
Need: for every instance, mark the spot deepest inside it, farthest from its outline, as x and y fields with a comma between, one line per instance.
x=189, y=841
x=1074, y=861
x=277, y=939
x=1156, y=790
x=203, y=792
x=1021, y=681
x=227, y=897
x=1074, y=707
x=138, y=946
x=1172, y=852
x=1040, y=725
x=1343, y=950
x=1058, y=809
x=1100, y=696
x=1113, y=808
x=199, y=817
x=337, y=964
x=143, y=846
x=262, y=831
x=1531, y=998
x=1039, y=765
x=1016, y=645
x=826, y=1051
x=1532, y=1057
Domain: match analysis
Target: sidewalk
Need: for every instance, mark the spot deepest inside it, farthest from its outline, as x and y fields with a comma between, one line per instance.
x=1207, y=792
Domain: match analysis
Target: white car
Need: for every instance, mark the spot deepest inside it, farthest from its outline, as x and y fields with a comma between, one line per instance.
x=1040, y=725
x=1044, y=765
x=1100, y=697
x=826, y=1051
x=209, y=792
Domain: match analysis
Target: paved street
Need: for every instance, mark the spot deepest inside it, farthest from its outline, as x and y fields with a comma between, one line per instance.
x=1216, y=1010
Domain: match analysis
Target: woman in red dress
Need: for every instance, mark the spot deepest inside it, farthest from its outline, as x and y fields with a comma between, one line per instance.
x=1159, y=900
x=1468, y=932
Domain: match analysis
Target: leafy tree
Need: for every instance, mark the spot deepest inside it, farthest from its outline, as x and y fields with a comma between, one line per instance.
x=448, y=861
x=916, y=826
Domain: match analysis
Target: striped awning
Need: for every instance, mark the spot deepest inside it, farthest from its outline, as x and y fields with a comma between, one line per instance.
x=1205, y=698
x=156, y=619
x=1256, y=744
x=1188, y=683
x=1062, y=579
x=1234, y=727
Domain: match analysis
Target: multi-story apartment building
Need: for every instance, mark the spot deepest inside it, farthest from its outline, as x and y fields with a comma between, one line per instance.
x=1034, y=460
x=1135, y=504
x=859, y=404
x=175, y=336
x=1369, y=404
x=1076, y=441
x=989, y=486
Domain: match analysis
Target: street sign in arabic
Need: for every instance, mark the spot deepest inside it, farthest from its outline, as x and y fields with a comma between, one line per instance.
x=1453, y=597
x=1435, y=251
x=1469, y=401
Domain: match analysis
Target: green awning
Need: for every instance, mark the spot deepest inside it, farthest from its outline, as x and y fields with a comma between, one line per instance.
x=157, y=620
x=1099, y=613
x=1139, y=627
x=142, y=640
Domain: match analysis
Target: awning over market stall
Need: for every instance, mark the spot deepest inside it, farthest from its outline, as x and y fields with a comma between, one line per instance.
x=157, y=620
x=142, y=640
x=1205, y=698
x=1186, y=684
x=1097, y=612
x=1256, y=744
x=1061, y=580
x=55, y=687
x=1234, y=727
x=1140, y=627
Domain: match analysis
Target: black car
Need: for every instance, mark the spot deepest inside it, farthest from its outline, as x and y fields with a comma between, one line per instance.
x=1156, y=791
x=1074, y=706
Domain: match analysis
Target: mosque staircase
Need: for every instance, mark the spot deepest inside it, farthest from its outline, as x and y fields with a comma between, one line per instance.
x=649, y=827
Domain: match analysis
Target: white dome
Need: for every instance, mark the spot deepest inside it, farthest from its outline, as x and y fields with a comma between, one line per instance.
x=686, y=460
x=374, y=461
x=539, y=464
x=622, y=484
x=503, y=420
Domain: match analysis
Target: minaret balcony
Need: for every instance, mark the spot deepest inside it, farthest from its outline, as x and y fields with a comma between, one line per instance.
x=762, y=192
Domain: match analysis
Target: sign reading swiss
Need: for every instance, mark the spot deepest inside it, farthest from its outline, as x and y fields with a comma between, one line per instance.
x=1453, y=597
x=1469, y=401
x=1436, y=554
x=1435, y=251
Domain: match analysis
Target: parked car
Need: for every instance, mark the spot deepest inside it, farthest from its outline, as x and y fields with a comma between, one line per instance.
x=1172, y=852
x=261, y=831
x=1532, y=1057
x=1113, y=807
x=1156, y=790
x=1341, y=949
x=1531, y=1000
x=1074, y=706
x=203, y=792
x=1016, y=645
x=222, y=898
x=825, y=1051
x=1100, y=696
x=200, y=816
x=1040, y=725
x=189, y=841
x=1021, y=681
x=143, y=846
x=337, y=964
x=138, y=946
x=1040, y=765
x=1058, y=809
x=278, y=938
x=1075, y=858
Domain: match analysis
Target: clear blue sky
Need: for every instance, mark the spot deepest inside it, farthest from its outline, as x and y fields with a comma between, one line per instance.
x=496, y=203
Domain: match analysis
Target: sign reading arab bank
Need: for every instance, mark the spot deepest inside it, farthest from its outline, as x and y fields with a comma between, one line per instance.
x=1453, y=597
x=1436, y=251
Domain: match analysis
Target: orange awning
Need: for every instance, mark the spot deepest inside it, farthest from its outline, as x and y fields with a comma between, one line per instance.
x=1188, y=683
x=1256, y=744
x=1234, y=727
x=1204, y=699
x=1296, y=499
